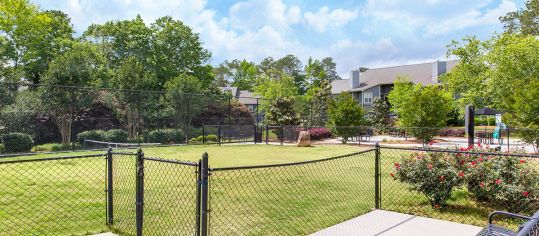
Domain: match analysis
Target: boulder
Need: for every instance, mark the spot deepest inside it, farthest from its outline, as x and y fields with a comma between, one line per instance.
x=304, y=139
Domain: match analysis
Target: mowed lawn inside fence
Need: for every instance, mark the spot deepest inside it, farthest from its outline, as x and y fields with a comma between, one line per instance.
x=67, y=196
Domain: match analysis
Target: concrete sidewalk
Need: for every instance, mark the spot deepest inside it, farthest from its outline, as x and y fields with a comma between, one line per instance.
x=387, y=223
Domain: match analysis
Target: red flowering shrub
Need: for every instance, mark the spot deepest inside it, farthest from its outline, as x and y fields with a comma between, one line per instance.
x=451, y=132
x=432, y=174
x=502, y=181
x=319, y=133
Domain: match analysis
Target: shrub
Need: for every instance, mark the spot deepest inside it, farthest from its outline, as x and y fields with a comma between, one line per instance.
x=506, y=182
x=209, y=138
x=319, y=133
x=2, y=148
x=117, y=136
x=97, y=135
x=51, y=147
x=432, y=174
x=165, y=136
x=17, y=142
x=452, y=132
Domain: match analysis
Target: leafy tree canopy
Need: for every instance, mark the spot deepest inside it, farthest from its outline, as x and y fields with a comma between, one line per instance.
x=525, y=21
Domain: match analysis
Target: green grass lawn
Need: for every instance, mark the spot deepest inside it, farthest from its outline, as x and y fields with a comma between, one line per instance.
x=67, y=197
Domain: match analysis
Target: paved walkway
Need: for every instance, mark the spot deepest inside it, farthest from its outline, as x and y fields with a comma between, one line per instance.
x=389, y=223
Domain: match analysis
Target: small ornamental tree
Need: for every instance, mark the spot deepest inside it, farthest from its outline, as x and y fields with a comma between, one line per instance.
x=345, y=112
x=380, y=111
x=281, y=112
x=420, y=109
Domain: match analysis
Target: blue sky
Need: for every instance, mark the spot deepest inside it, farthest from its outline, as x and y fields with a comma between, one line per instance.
x=371, y=33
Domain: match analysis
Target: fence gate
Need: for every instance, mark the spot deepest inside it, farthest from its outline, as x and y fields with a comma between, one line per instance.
x=152, y=195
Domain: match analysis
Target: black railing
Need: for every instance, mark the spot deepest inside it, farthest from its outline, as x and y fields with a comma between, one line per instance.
x=155, y=196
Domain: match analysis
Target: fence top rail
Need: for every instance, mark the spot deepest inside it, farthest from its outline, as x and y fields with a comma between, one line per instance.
x=52, y=158
x=292, y=163
x=157, y=159
x=124, y=153
x=528, y=155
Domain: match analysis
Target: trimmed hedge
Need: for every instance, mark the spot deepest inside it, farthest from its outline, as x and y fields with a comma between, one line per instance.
x=164, y=136
x=117, y=136
x=17, y=142
x=97, y=135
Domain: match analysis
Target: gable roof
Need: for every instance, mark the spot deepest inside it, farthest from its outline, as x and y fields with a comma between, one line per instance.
x=341, y=85
x=416, y=73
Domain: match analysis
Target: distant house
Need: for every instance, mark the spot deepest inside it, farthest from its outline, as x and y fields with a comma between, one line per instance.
x=247, y=98
x=378, y=82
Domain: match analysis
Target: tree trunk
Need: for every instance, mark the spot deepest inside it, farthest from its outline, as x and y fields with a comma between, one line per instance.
x=132, y=123
x=64, y=123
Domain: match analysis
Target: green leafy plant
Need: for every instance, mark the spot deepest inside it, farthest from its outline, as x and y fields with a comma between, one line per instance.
x=51, y=147
x=165, y=136
x=344, y=114
x=432, y=174
x=117, y=136
x=96, y=135
x=17, y=142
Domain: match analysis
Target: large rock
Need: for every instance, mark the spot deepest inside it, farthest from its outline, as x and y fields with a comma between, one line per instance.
x=304, y=139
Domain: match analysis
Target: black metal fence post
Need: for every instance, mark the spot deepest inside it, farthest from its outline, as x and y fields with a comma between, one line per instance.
x=267, y=134
x=203, y=134
x=204, y=195
x=219, y=134
x=199, y=183
x=282, y=135
x=139, y=192
x=110, y=205
x=377, y=186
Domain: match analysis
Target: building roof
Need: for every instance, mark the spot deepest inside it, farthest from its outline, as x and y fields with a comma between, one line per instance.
x=416, y=73
x=341, y=85
x=247, y=97
x=233, y=90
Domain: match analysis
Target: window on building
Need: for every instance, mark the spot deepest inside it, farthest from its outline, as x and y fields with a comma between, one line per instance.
x=367, y=97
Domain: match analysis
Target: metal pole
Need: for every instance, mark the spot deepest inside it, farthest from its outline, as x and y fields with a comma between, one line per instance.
x=204, y=197
x=377, y=177
x=255, y=132
x=110, y=199
x=267, y=134
x=203, y=134
x=508, y=148
x=199, y=181
x=469, y=123
x=257, y=112
x=282, y=135
x=219, y=134
x=139, y=217
x=72, y=128
x=229, y=113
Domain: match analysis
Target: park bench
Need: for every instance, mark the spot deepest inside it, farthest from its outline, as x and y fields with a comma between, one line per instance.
x=530, y=228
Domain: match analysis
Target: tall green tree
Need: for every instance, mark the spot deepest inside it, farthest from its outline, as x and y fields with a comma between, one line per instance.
x=132, y=96
x=319, y=98
x=271, y=88
x=243, y=74
x=380, y=112
x=29, y=38
x=281, y=112
x=344, y=113
x=469, y=77
x=167, y=47
x=525, y=21
x=184, y=99
x=420, y=109
x=80, y=65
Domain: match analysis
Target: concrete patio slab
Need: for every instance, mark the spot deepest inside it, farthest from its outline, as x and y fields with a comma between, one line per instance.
x=387, y=223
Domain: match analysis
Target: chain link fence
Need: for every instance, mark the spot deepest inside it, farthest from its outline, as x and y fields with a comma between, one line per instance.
x=132, y=194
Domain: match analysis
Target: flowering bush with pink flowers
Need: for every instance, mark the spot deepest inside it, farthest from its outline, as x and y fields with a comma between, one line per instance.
x=503, y=182
x=507, y=182
x=432, y=174
x=319, y=133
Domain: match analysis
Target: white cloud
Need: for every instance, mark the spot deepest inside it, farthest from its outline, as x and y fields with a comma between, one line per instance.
x=255, y=14
x=471, y=18
x=324, y=18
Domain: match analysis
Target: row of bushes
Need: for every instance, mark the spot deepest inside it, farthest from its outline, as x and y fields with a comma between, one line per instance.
x=207, y=138
x=113, y=135
x=16, y=142
x=503, y=182
x=164, y=136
